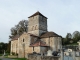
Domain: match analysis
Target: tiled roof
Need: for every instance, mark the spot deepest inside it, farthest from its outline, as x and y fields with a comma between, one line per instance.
x=37, y=13
x=33, y=35
x=49, y=34
x=38, y=43
x=15, y=37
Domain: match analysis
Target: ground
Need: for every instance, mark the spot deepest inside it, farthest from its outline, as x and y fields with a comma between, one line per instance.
x=3, y=58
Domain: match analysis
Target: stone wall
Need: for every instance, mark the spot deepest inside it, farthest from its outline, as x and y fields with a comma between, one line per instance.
x=24, y=43
x=78, y=58
x=36, y=57
x=37, y=49
x=14, y=46
x=54, y=43
x=37, y=25
x=11, y=56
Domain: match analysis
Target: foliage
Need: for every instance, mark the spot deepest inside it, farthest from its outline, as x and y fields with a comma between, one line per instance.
x=19, y=28
x=73, y=44
x=76, y=36
x=3, y=46
x=67, y=39
x=71, y=38
x=19, y=58
x=13, y=53
x=0, y=54
x=8, y=47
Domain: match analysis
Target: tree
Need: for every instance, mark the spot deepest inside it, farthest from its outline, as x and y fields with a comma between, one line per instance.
x=64, y=41
x=69, y=35
x=67, y=39
x=19, y=28
x=13, y=31
x=8, y=47
x=22, y=26
x=71, y=38
x=76, y=36
x=3, y=46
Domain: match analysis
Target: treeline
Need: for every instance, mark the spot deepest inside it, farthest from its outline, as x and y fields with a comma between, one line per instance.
x=71, y=38
x=4, y=46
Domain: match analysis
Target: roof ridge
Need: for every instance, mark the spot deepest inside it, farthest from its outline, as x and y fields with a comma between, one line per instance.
x=37, y=13
x=50, y=34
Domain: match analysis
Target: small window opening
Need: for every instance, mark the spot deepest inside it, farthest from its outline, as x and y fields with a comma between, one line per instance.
x=23, y=40
x=33, y=48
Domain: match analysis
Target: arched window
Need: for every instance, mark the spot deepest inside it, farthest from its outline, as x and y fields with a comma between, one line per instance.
x=23, y=40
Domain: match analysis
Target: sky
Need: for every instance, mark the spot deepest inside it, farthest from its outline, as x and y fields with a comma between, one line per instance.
x=63, y=15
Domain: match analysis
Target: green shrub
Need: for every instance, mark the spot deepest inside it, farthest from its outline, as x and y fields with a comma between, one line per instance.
x=13, y=53
x=0, y=54
x=19, y=58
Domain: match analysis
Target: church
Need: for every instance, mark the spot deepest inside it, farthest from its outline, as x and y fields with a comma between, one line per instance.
x=38, y=39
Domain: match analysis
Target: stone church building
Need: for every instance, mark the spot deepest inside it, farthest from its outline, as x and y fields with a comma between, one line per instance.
x=38, y=39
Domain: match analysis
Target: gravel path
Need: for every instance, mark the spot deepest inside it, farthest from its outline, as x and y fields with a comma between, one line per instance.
x=1, y=57
x=6, y=59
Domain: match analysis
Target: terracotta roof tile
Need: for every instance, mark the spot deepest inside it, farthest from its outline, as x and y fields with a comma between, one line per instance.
x=38, y=43
x=33, y=35
x=49, y=34
x=15, y=37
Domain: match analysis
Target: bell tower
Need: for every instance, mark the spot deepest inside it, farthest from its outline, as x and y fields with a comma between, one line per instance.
x=37, y=24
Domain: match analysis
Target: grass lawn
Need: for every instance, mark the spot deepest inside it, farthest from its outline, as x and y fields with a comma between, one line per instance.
x=19, y=58
x=0, y=54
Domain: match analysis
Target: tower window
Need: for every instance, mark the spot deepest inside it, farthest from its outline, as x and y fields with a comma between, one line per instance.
x=23, y=40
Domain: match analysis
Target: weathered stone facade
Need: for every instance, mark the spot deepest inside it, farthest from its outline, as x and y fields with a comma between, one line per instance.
x=14, y=47
x=37, y=39
x=24, y=43
x=54, y=43
x=36, y=57
x=37, y=25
